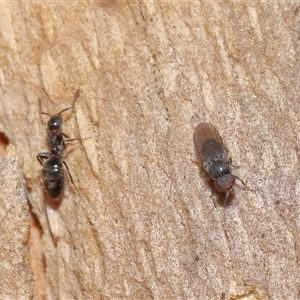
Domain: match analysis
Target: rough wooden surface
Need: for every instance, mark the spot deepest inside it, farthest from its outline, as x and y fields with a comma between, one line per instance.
x=142, y=225
x=16, y=278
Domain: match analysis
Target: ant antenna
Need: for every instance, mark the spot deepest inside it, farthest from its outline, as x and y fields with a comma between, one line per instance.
x=72, y=102
x=40, y=105
x=71, y=106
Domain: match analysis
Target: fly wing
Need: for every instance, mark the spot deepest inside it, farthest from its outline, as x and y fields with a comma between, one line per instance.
x=208, y=143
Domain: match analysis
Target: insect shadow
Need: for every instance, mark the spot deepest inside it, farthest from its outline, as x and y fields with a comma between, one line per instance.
x=54, y=165
x=216, y=161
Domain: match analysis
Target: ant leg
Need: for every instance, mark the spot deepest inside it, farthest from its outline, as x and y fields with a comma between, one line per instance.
x=43, y=155
x=68, y=139
x=65, y=135
x=244, y=183
x=71, y=178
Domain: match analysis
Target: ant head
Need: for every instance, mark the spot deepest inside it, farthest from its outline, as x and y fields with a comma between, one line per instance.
x=55, y=122
x=225, y=183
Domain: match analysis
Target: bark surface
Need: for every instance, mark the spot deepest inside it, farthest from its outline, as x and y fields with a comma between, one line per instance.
x=142, y=225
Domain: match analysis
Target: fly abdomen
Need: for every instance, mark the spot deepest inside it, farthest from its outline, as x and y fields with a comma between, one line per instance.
x=53, y=176
x=212, y=149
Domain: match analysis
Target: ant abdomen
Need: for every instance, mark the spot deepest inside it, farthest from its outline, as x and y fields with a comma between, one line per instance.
x=53, y=176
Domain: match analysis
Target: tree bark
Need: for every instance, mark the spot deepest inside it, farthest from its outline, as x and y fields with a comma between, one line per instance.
x=138, y=222
x=15, y=275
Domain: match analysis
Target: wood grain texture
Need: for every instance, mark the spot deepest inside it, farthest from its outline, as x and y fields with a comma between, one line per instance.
x=142, y=225
x=14, y=228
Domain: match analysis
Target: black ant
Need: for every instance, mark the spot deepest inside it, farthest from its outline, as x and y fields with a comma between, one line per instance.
x=53, y=170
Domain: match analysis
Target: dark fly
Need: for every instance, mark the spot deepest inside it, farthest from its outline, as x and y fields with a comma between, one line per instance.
x=215, y=159
x=53, y=167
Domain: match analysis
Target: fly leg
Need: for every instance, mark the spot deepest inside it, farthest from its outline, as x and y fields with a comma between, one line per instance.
x=244, y=183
